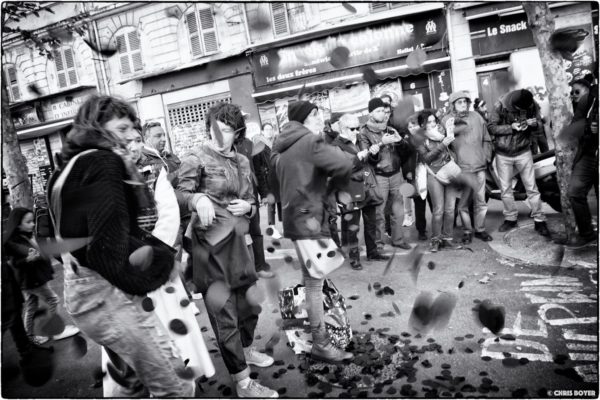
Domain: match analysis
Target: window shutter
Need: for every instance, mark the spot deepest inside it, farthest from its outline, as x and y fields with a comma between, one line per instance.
x=60, y=68
x=123, y=56
x=376, y=7
x=280, y=19
x=70, y=67
x=209, y=32
x=397, y=5
x=192, y=25
x=135, y=51
x=14, y=85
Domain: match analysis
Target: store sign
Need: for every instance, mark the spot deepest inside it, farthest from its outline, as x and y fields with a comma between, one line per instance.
x=62, y=107
x=583, y=58
x=392, y=40
x=497, y=34
x=441, y=88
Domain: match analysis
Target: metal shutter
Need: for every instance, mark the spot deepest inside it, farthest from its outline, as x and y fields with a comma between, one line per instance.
x=209, y=32
x=60, y=68
x=135, y=50
x=70, y=64
x=376, y=7
x=192, y=25
x=280, y=19
x=123, y=56
x=14, y=84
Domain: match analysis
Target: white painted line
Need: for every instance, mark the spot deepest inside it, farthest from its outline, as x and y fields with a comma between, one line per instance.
x=563, y=321
x=551, y=289
x=544, y=356
x=533, y=276
x=570, y=334
x=556, y=281
x=583, y=356
x=588, y=372
x=564, y=298
x=582, y=347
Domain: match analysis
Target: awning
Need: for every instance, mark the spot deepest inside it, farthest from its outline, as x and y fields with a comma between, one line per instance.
x=385, y=70
x=32, y=132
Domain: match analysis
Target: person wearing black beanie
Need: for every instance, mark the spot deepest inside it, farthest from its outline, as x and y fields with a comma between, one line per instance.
x=299, y=110
x=375, y=103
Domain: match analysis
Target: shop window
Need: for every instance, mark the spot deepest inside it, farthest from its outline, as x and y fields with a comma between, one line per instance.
x=66, y=71
x=130, y=52
x=289, y=18
x=202, y=30
x=13, y=84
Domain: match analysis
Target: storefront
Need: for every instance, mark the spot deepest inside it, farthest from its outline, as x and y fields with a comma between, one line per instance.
x=403, y=56
x=505, y=53
x=180, y=100
x=42, y=126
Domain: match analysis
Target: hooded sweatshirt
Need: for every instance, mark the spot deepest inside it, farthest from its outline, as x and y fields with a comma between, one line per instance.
x=472, y=144
x=302, y=162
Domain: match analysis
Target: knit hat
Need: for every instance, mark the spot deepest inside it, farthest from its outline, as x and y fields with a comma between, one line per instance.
x=299, y=110
x=522, y=99
x=461, y=94
x=375, y=103
x=582, y=82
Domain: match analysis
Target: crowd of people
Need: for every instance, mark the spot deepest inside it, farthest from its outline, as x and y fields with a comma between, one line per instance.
x=155, y=221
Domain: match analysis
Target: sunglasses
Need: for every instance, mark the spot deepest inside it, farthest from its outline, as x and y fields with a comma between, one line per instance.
x=354, y=128
x=575, y=92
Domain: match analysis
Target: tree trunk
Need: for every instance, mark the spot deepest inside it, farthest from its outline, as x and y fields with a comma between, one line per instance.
x=541, y=24
x=13, y=162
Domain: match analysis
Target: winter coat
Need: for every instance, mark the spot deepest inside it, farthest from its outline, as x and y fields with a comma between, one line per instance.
x=302, y=163
x=95, y=193
x=388, y=161
x=157, y=161
x=219, y=252
x=262, y=167
x=509, y=142
x=355, y=187
x=33, y=273
x=246, y=147
x=472, y=144
x=434, y=154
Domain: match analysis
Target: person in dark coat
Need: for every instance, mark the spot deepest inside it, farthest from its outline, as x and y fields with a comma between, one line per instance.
x=217, y=182
x=302, y=163
x=357, y=195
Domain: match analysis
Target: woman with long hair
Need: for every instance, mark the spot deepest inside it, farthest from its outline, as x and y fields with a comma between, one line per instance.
x=98, y=194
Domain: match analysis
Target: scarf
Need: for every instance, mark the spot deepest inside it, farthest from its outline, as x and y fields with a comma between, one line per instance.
x=376, y=126
x=434, y=134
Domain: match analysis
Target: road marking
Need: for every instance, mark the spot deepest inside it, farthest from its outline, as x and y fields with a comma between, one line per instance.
x=583, y=356
x=562, y=298
x=533, y=276
x=570, y=334
x=517, y=330
x=564, y=321
x=589, y=372
x=556, y=281
x=551, y=289
x=545, y=355
x=582, y=347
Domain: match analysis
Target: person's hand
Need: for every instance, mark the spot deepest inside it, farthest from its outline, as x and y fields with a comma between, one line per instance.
x=33, y=254
x=239, y=207
x=264, y=201
x=409, y=176
x=391, y=138
x=516, y=126
x=205, y=210
x=450, y=126
x=362, y=154
x=447, y=140
x=532, y=122
x=374, y=149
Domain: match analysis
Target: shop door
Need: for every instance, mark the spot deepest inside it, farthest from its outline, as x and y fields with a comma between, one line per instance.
x=418, y=87
x=492, y=85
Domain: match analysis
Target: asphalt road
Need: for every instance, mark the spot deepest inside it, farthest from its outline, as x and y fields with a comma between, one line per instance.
x=547, y=348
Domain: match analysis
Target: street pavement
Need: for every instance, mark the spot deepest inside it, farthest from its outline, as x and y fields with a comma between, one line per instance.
x=547, y=348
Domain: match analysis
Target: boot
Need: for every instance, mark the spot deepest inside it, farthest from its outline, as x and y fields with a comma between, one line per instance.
x=323, y=350
x=354, y=256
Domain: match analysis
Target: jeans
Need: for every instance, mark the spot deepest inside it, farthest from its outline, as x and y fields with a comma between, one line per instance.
x=390, y=189
x=32, y=297
x=584, y=176
x=443, y=198
x=117, y=321
x=258, y=249
x=539, y=142
x=350, y=236
x=420, y=214
x=479, y=204
x=505, y=167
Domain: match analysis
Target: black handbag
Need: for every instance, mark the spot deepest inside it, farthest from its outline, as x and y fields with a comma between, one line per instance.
x=373, y=195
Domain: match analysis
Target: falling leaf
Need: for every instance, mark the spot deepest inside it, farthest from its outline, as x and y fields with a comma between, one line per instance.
x=339, y=57
x=170, y=289
x=184, y=303
x=147, y=304
x=491, y=316
x=431, y=265
x=108, y=52
x=216, y=296
x=269, y=231
x=369, y=75
x=369, y=288
x=461, y=284
x=396, y=308
x=288, y=259
x=34, y=89
x=258, y=148
x=349, y=7
x=416, y=58
x=56, y=247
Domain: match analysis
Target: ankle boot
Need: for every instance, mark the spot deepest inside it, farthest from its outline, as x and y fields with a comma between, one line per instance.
x=323, y=350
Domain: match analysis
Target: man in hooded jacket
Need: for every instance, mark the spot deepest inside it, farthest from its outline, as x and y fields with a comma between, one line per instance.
x=303, y=162
x=514, y=120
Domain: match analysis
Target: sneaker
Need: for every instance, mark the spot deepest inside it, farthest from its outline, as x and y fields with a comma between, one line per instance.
x=467, y=238
x=70, y=330
x=434, y=247
x=328, y=353
x=255, y=357
x=402, y=245
x=507, y=226
x=408, y=220
x=422, y=236
x=377, y=257
x=483, y=235
x=38, y=340
x=582, y=241
x=356, y=265
x=542, y=228
x=276, y=234
x=256, y=390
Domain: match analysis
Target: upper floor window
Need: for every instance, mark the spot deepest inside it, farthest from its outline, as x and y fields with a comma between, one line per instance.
x=66, y=72
x=12, y=83
x=203, y=33
x=290, y=18
x=130, y=51
x=376, y=7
